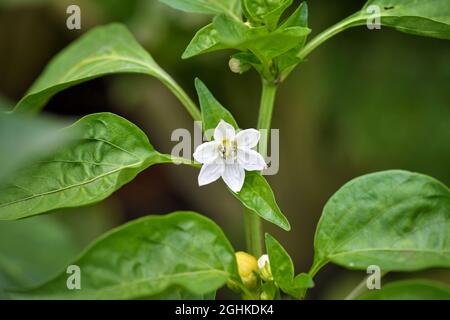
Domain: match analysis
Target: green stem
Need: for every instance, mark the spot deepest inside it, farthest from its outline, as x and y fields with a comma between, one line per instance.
x=360, y=288
x=351, y=21
x=253, y=233
x=316, y=267
x=330, y=32
x=187, y=102
x=269, y=91
x=252, y=222
x=312, y=272
x=181, y=160
x=247, y=292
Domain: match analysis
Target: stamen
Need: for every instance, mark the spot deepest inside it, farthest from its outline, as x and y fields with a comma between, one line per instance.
x=227, y=150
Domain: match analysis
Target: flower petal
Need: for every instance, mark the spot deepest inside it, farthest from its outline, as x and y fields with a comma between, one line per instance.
x=224, y=131
x=247, y=138
x=262, y=261
x=234, y=176
x=207, y=152
x=210, y=173
x=250, y=160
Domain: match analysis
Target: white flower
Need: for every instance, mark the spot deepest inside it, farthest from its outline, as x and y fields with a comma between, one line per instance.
x=262, y=261
x=264, y=268
x=228, y=156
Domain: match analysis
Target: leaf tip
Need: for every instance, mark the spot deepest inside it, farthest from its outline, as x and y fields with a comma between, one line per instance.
x=186, y=54
x=285, y=225
x=198, y=81
x=201, y=88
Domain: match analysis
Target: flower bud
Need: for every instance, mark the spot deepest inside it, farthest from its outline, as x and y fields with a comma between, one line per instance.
x=267, y=295
x=268, y=291
x=235, y=65
x=248, y=269
x=238, y=66
x=264, y=268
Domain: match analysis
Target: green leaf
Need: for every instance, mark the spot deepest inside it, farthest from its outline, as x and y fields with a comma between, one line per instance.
x=283, y=269
x=233, y=32
x=152, y=257
x=416, y=289
x=103, y=50
x=257, y=195
x=264, y=44
x=212, y=110
x=278, y=42
x=396, y=219
x=205, y=40
x=429, y=18
x=24, y=140
x=33, y=250
x=265, y=12
x=110, y=153
x=269, y=291
x=303, y=281
x=229, y=7
x=280, y=263
x=298, y=19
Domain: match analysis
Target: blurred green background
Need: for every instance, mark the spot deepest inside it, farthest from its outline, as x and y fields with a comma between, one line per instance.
x=365, y=101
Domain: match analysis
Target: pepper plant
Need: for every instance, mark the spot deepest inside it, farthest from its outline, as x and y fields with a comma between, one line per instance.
x=396, y=220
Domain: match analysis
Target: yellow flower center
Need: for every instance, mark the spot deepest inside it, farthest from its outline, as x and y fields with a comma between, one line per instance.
x=228, y=149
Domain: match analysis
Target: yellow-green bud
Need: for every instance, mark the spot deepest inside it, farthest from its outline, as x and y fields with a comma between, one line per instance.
x=264, y=268
x=248, y=269
x=267, y=295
